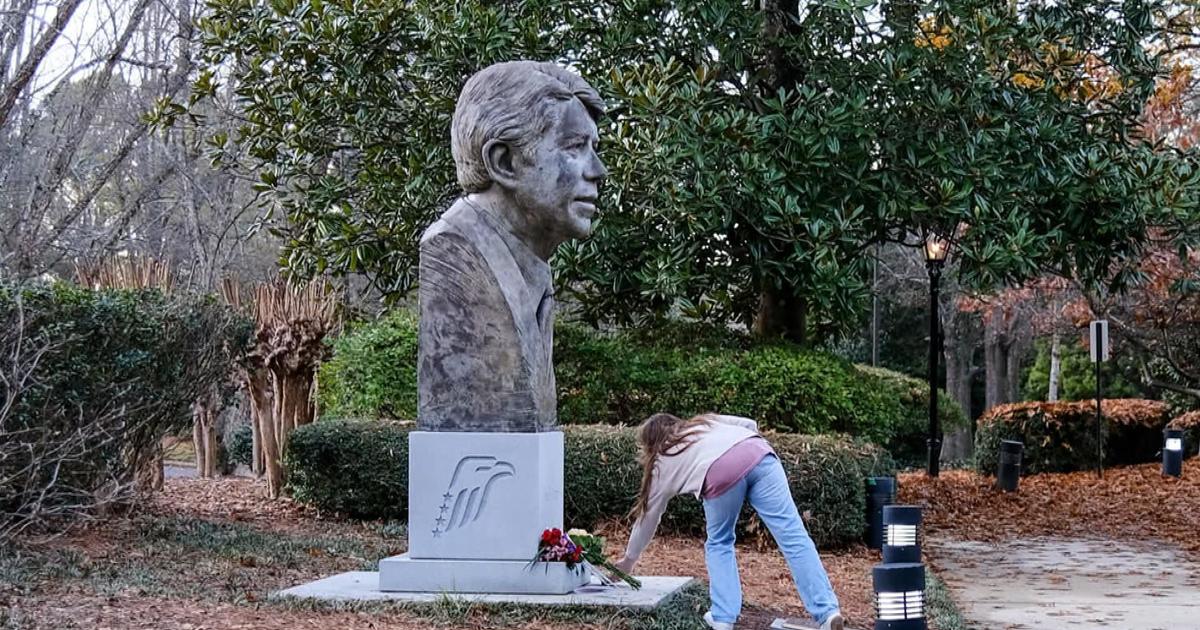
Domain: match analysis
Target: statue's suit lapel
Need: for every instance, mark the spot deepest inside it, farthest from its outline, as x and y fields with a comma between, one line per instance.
x=531, y=308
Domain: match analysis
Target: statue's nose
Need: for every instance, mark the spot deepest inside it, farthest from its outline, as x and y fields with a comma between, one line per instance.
x=597, y=172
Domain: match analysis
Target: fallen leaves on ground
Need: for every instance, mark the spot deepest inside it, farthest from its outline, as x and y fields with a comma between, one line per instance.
x=137, y=580
x=1128, y=503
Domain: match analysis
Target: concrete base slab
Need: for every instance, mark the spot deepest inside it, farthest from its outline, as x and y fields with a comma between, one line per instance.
x=364, y=586
x=1061, y=584
x=418, y=575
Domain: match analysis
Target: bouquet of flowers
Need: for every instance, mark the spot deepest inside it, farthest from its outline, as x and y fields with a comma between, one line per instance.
x=580, y=549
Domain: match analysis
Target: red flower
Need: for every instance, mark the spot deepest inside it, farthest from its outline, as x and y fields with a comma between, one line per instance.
x=551, y=536
x=577, y=556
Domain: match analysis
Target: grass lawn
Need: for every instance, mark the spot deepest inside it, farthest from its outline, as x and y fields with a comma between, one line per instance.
x=207, y=553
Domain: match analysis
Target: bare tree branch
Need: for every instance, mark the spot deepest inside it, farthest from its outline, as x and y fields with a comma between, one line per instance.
x=25, y=73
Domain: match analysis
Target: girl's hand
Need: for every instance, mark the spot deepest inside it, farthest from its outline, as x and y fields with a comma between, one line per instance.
x=624, y=564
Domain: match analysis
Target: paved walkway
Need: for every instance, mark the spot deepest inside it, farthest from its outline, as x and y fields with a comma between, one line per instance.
x=177, y=470
x=186, y=470
x=1068, y=584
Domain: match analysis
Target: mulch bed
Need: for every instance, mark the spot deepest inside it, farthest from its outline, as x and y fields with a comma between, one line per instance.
x=1128, y=503
x=218, y=590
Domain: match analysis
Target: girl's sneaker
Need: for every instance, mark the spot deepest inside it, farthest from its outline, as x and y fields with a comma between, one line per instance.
x=719, y=625
x=834, y=622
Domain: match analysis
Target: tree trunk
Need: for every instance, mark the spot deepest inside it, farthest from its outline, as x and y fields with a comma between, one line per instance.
x=995, y=358
x=28, y=68
x=271, y=455
x=781, y=315
x=1055, y=368
x=293, y=407
x=150, y=474
x=204, y=436
x=1018, y=344
x=959, y=352
x=258, y=389
x=198, y=438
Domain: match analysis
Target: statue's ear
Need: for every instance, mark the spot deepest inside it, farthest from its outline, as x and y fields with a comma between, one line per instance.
x=500, y=160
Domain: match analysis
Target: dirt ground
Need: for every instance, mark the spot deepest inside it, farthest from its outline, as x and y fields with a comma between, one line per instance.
x=207, y=553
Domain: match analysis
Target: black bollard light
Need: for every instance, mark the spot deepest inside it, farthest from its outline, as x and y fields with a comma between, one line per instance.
x=1008, y=472
x=1173, y=452
x=902, y=534
x=881, y=491
x=899, y=596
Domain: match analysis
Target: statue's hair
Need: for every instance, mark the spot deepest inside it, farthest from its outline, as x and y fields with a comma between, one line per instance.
x=512, y=102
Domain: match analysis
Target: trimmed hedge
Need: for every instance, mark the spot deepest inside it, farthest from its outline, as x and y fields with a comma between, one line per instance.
x=359, y=469
x=1061, y=436
x=622, y=378
x=827, y=474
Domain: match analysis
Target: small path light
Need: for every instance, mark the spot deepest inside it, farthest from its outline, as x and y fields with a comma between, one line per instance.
x=881, y=491
x=899, y=596
x=1008, y=471
x=1173, y=452
x=902, y=540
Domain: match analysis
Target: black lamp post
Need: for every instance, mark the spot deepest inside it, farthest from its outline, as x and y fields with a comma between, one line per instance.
x=936, y=248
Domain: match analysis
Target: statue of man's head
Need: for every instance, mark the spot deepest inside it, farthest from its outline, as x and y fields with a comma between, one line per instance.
x=524, y=143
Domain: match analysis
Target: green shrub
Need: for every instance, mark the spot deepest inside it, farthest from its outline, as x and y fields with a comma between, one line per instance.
x=623, y=378
x=909, y=429
x=373, y=371
x=102, y=377
x=1061, y=436
x=355, y=468
x=682, y=368
x=1077, y=374
x=827, y=474
x=240, y=446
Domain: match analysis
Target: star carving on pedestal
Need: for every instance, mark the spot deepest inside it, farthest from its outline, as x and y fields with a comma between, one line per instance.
x=440, y=521
x=446, y=498
x=437, y=533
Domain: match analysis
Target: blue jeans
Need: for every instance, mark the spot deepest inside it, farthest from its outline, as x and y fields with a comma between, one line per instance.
x=767, y=488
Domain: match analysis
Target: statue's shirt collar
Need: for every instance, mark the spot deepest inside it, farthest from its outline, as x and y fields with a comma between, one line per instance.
x=534, y=270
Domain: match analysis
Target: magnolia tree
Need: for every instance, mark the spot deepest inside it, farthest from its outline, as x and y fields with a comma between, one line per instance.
x=756, y=150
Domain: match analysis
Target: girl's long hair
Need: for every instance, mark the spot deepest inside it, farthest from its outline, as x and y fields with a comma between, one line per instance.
x=662, y=434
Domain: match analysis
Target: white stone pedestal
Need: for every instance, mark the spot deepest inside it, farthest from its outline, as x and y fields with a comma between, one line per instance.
x=477, y=505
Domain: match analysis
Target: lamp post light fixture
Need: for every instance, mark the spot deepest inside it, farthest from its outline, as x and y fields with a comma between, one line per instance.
x=1173, y=452
x=881, y=492
x=899, y=596
x=901, y=534
x=936, y=248
x=1008, y=468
